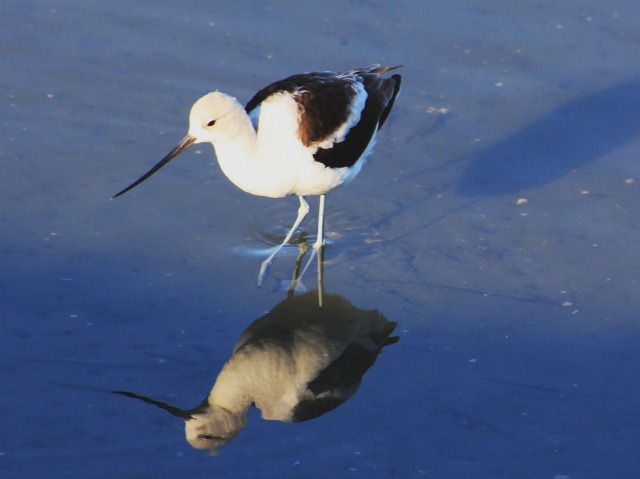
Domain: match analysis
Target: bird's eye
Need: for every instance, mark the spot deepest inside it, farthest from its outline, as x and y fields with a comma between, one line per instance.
x=211, y=123
x=209, y=437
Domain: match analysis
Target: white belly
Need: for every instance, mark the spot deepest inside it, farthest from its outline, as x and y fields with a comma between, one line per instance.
x=283, y=173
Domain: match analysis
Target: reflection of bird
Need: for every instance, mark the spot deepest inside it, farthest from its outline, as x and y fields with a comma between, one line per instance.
x=304, y=135
x=296, y=363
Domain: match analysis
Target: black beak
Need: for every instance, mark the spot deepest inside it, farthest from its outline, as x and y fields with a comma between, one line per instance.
x=174, y=411
x=185, y=143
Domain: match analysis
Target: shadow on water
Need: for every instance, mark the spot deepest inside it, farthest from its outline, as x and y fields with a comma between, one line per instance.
x=577, y=133
x=295, y=363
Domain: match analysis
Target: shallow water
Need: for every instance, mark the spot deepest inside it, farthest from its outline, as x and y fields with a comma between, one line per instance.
x=496, y=222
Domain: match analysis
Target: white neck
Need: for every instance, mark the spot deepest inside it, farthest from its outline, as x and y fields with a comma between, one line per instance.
x=260, y=162
x=251, y=376
x=240, y=163
x=229, y=392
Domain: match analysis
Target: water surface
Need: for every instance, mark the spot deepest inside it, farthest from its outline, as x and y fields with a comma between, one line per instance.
x=496, y=222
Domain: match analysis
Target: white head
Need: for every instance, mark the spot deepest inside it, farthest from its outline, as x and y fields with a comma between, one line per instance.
x=212, y=427
x=215, y=118
x=206, y=426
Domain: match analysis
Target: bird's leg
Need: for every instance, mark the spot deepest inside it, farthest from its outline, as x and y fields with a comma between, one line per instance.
x=321, y=276
x=302, y=250
x=302, y=212
x=318, y=249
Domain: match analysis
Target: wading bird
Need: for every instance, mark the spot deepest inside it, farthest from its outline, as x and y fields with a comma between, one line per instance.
x=304, y=135
x=295, y=363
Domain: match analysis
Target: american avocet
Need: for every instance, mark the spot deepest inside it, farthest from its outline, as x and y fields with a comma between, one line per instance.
x=304, y=135
x=295, y=363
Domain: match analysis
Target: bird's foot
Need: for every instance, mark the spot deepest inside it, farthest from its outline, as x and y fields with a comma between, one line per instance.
x=316, y=249
x=264, y=270
x=292, y=287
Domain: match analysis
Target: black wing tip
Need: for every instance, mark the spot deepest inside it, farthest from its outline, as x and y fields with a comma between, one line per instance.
x=387, y=69
x=376, y=69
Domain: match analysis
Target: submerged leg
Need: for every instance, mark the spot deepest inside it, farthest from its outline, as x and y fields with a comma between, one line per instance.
x=318, y=246
x=321, y=276
x=302, y=212
x=302, y=250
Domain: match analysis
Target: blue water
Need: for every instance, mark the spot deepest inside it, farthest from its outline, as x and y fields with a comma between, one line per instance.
x=497, y=222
